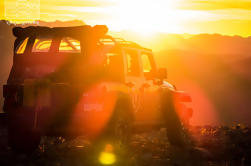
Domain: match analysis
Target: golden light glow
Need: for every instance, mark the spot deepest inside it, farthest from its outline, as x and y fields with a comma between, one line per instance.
x=20, y=11
x=96, y=109
x=107, y=157
x=145, y=17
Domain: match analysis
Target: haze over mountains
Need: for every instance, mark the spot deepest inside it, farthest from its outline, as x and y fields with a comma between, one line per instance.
x=214, y=69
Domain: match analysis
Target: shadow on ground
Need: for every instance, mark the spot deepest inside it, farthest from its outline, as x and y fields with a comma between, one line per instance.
x=145, y=149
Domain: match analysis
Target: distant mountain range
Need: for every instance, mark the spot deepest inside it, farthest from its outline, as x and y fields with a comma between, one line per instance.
x=221, y=90
x=214, y=69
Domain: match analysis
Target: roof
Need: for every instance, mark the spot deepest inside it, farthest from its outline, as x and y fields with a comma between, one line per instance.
x=98, y=30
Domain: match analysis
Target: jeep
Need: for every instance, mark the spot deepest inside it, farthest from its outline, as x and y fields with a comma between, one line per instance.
x=70, y=81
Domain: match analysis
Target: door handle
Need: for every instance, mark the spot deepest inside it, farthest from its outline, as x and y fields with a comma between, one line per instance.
x=145, y=85
x=130, y=84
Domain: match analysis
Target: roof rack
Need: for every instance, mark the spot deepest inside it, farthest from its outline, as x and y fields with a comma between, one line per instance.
x=122, y=42
x=97, y=30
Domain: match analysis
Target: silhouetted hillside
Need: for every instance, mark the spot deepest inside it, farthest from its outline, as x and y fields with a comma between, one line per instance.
x=221, y=90
x=202, y=43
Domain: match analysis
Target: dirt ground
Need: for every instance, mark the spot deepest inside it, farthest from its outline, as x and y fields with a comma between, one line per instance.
x=213, y=148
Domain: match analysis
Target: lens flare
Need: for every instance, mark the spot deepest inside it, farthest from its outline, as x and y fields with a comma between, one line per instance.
x=107, y=157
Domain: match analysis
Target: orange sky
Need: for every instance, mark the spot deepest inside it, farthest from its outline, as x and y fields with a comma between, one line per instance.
x=228, y=17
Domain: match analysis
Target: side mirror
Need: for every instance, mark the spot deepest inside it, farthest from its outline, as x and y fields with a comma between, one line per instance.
x=162, y=73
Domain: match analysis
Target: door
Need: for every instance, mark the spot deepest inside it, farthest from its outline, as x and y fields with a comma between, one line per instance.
x=150, y=112
x=140, y=71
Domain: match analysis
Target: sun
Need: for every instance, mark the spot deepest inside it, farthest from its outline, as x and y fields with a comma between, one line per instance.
x=145, y=16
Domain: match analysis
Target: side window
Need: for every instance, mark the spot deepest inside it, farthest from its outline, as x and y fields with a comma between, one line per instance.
x=146, y=64
x=42, y=45
x=132, y=63
x=69, y=45
x=114, y=66
x=111, y=59
x=20, y=49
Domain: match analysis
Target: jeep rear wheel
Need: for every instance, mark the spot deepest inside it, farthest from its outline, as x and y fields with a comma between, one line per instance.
x=22, y=140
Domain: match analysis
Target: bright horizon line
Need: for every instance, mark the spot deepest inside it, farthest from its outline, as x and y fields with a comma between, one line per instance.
x=183, y=34
x=225, y=17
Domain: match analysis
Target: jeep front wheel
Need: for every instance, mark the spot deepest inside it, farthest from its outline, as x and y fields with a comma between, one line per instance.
x=119, y=128
x=174, y=127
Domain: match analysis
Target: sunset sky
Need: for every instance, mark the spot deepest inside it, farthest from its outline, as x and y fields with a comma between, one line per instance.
x=228, y=17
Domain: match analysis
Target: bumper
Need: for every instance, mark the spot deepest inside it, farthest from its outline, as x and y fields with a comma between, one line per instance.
x=58, y=109
x=52, y=122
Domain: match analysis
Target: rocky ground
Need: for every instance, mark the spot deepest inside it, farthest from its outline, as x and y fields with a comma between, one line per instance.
x=214, y=146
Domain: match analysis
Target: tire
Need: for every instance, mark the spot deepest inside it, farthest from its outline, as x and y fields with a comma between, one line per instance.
x=119, y=129
x=174, y=127
x=22, y=140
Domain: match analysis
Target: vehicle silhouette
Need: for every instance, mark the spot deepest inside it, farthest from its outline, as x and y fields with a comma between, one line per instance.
x=70, y=81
